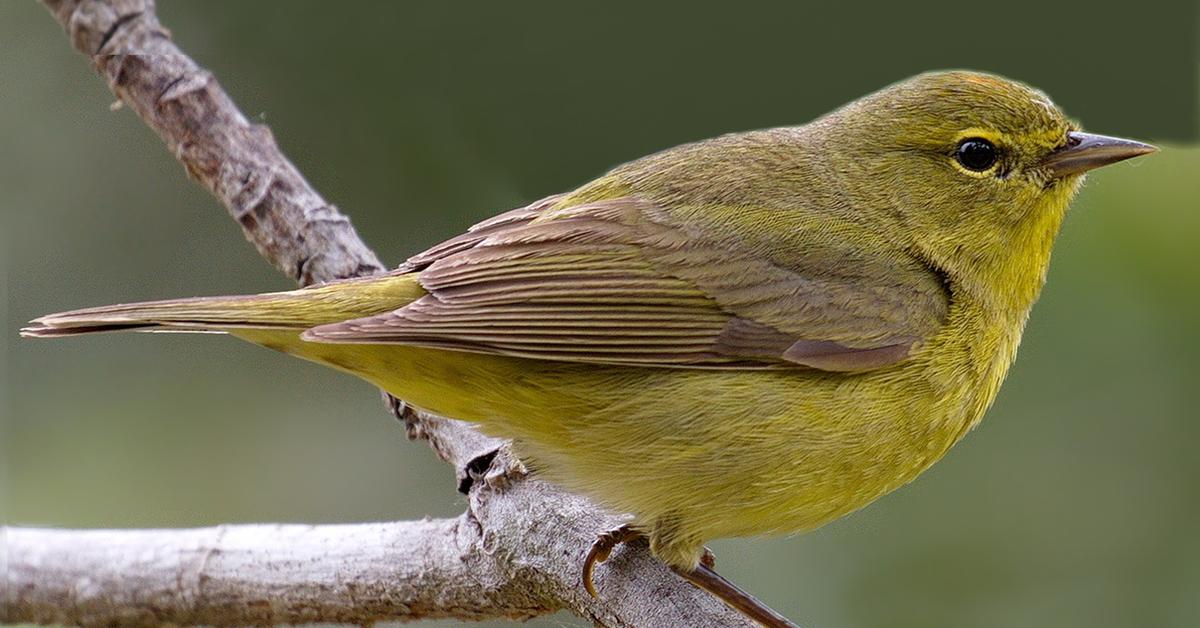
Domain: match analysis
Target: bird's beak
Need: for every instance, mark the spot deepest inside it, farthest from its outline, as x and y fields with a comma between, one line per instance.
x=1085, y=151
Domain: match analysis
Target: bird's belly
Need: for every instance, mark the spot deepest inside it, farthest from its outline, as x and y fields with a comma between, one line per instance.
x=739, y=454
x=705, y=453
x=728, y=453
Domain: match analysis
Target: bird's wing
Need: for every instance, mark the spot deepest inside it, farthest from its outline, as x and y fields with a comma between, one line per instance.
x=610, y=282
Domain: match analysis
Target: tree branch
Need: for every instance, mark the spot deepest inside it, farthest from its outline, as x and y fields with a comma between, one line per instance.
x=517, y=550
x=239, y=162
x=264, y=574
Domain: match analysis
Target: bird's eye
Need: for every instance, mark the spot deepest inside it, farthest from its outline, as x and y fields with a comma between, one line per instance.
x=976, y=154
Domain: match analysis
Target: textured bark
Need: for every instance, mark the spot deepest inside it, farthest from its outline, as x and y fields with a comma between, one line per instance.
x=239, y=162
x=263, y=574
x=517, y=550
x=466, y=568
x=515, y=553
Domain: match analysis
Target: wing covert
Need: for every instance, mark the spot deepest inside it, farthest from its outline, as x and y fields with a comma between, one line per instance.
x=612, y=282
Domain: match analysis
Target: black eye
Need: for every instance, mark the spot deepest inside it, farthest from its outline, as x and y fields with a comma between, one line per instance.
x=976, y=154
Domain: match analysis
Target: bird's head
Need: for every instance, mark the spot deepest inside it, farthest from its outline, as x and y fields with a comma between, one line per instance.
x=972, y=171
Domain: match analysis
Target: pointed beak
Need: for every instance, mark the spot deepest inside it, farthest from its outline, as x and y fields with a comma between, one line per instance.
x=1085, y=151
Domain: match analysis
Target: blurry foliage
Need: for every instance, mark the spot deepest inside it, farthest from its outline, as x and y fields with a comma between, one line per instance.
x=1075, y=504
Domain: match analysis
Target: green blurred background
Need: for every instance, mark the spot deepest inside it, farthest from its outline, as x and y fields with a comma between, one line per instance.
x=1075, y=504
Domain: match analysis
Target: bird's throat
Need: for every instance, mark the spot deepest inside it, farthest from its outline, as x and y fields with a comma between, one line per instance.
x=1009, y=279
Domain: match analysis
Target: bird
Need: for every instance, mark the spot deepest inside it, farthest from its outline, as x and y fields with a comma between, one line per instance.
x=748, y=335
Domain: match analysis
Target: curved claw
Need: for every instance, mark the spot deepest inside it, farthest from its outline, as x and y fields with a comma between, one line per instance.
x=600, y=550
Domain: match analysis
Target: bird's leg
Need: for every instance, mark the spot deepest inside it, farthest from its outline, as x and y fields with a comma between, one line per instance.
x=602, y=547
x=705, y=578
x=607, y=541
x=702, y=576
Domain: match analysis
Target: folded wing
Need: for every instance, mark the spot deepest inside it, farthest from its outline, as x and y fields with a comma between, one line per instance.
x=613, y=282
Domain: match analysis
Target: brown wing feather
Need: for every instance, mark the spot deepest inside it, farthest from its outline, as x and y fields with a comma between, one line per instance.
x=606, y=283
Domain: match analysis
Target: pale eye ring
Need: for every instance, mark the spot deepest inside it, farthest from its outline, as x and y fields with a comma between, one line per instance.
x=976, y=154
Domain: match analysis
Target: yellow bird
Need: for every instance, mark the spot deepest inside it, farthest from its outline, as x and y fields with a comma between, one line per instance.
x=748, y=335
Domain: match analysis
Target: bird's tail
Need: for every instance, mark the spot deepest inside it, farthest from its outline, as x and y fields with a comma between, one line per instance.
x=292, y=310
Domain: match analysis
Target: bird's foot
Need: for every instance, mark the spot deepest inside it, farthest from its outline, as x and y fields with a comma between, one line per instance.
x=602, y=547
x=705, y=578
x=607, y=541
